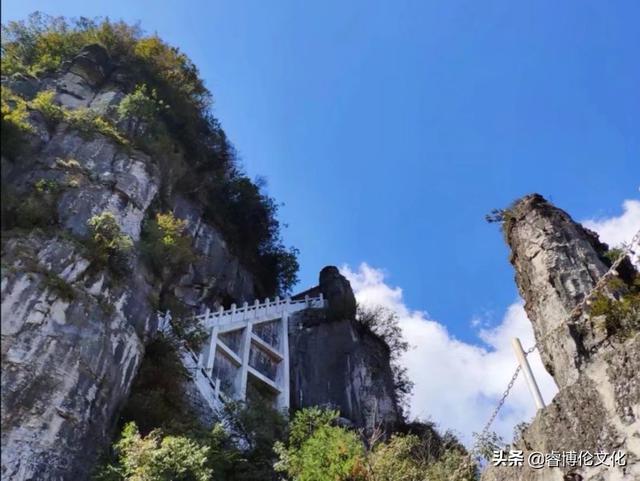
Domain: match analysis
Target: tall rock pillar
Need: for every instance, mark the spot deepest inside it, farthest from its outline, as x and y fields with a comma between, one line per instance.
x=557, y=263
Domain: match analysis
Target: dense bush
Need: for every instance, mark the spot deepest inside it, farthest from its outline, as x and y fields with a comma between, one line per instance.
x=14, y=122
x=141, y=109
x=166, y=245
x=156, y=456
x=109, y=246
x=404, y=458
x=242, y=450
x=252, y=441
x=170, y=88
x=619, y=308
x=320, y=451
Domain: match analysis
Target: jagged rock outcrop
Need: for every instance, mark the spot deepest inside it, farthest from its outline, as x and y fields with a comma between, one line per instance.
x=338, y=293
x=597, y=409
x=336, y=361
x=557, y=262
x=73, y=335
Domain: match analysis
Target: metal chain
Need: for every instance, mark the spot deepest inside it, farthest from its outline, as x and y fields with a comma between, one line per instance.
x=505, y=394
x=575, y=312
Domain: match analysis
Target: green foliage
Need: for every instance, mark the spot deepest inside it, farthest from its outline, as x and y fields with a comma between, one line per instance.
x=47, y=186
x=384, y=323
x=613, y=254
x=140, y=108
x=249, y=443
x=35, y=210
x=85, y=120
x=242, y=450
x=42, y=42
x=109, y=246
x=14, y=122
x=157, y=457
x=407, y=458
x=452, y=466
x=89, y=121
x=504, y=217
x=319, y=451
x=399, y=459
x=620, y=307
x=487, y=443
x=166, y=245
x=254, y=231
x=44, y=102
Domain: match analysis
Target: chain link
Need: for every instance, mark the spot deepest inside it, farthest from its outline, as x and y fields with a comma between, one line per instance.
x=627, y=250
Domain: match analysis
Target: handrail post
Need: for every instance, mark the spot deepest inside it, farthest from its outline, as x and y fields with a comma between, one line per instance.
x=526, y=369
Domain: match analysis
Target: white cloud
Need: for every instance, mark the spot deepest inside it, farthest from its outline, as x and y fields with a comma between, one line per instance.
x=458, y=384
x=616, y=230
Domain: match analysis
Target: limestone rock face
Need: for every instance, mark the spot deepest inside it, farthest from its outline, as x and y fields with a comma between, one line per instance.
x=597, y=409
x=67, y=358
x=337, y=362
x=341, y=365
x=73, y=335
x=557, y=263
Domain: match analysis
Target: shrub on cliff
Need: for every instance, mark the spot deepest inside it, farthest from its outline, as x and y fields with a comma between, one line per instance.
x=239, y=447
x=87, y=121
x=405, y=458
x=14, y=122
x=141, y=108
x=318, y=450
x=166, y=245
x=156, y=457
x=109, y=246
x=620, y=314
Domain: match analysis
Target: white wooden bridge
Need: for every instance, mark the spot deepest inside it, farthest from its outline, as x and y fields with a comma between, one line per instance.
x=247, y=348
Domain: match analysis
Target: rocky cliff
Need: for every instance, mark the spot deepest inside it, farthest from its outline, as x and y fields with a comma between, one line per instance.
x=594, y=361
x=73, y=334
x=74, y=331
x=337, y=362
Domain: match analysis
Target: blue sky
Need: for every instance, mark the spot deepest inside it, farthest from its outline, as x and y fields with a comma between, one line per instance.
x=389, y=129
